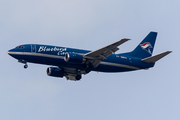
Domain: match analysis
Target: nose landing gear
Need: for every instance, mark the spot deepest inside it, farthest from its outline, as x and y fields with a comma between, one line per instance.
x=24, y=62
x=25, y=66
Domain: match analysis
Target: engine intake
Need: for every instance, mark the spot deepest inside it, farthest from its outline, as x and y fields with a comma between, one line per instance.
x=55, y=72
x=74, y=58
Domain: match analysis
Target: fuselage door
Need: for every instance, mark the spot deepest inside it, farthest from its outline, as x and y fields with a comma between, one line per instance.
x=33, y=48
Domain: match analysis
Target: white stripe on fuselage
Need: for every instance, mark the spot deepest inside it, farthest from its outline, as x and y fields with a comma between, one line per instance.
x=61, y=57
x=36, y=54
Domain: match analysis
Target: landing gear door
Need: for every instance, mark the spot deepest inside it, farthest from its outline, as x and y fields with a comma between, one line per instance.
x=33, y=48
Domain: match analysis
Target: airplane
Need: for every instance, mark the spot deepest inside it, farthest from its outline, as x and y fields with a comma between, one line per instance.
x=72, y=63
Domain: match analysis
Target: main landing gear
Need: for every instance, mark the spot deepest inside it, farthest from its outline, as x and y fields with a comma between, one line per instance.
x=78, y=77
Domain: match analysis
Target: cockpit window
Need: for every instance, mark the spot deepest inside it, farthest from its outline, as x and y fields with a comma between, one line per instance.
x=20, y=47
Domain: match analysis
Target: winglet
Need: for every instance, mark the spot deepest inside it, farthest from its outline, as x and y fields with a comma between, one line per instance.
x=155, y=58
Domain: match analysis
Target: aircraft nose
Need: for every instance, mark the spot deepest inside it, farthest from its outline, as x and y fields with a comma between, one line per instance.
x=10, y=51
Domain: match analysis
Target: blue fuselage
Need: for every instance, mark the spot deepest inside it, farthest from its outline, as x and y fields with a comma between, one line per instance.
x=54, y=55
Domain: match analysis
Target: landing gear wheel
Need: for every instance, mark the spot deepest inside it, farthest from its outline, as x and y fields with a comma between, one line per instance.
x=25, y=66
x=78, y=77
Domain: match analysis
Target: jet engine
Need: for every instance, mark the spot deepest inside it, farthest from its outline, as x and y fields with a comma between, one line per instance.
x=74, y=58
x=55, y=72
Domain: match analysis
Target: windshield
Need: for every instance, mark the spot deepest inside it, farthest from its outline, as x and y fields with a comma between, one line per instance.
x=20, y=47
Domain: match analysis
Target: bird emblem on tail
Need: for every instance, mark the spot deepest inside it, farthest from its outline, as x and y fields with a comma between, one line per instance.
x=146, y=46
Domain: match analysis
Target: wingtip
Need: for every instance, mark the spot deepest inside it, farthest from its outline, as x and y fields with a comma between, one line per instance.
x=126, y=39
x=169, y=52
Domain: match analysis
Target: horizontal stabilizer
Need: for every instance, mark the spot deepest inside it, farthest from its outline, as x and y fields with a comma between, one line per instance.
x=155, y=58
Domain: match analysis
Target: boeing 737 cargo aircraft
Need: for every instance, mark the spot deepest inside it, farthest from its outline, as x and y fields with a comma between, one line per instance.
x=72, y=63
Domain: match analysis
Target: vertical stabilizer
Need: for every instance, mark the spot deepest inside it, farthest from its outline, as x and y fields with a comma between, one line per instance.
x=145, y=48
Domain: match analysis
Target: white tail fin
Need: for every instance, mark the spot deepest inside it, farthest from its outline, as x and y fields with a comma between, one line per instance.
x=155, y=58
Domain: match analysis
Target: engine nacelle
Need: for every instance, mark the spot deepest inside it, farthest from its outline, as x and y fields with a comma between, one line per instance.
x=74, y=58
x=55, y=72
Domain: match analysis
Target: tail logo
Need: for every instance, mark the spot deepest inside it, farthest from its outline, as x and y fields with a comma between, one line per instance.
x=146, y=46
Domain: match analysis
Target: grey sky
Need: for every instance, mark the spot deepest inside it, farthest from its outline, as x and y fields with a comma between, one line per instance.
x=141, y=95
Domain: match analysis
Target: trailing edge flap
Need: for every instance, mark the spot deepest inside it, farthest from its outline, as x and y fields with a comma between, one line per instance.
x=155, y=58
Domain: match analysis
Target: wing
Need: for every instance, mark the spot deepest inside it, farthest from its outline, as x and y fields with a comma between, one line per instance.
x=103, y=53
